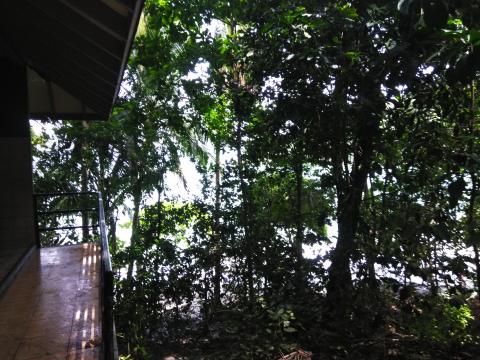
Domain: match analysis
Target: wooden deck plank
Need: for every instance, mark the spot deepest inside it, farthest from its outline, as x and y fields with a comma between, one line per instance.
x=52, y=310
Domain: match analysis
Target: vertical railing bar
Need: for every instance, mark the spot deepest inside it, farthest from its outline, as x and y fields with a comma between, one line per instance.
x=35, y=218
x=107, y=286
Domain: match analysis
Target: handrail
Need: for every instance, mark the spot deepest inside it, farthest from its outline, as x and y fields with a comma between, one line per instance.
x=73, y=227
x=103, y=233
x=68, y=211
x=65, y=193
x=108, y=325
x=42, y=213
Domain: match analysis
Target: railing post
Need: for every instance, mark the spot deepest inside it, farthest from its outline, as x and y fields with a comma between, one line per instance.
x=35, y=218
x=107, y=326
x=106, y=288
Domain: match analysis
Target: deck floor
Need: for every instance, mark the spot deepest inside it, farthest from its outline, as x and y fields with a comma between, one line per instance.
x=8, y=259
x=52, y=309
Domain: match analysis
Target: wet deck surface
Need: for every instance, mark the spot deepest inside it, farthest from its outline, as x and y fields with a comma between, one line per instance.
x=52, y=309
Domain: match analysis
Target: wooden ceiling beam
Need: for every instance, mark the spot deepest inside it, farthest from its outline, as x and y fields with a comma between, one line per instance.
x=68, y=53
x=33, y=47
x=59, y=19
x=120, y=7
x=73, y=86
x=100, y=14
x=65, y=116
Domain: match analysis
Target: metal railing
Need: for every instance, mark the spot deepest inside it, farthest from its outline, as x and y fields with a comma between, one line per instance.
x=44, y=211
x=108, y=325
x=109, y=342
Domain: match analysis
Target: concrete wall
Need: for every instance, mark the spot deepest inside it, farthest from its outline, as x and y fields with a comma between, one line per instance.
x=16, y=202
x=16, y=207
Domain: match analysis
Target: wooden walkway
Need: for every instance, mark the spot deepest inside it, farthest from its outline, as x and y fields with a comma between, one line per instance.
x=52, y=310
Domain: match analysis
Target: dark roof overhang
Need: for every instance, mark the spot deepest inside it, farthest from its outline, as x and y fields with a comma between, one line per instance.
x=76, y=51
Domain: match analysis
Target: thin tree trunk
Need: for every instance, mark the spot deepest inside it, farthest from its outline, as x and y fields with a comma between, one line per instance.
x=240, y=111
x=370, y=255
x=216, y=233
x=244, y=215
x=472, y=231
x=477, y=268
x=113, y=232
x=84, y=185
x=432, y=266
x=135, y=225
x=206, y=309
x=298, y=243
x=160, y=188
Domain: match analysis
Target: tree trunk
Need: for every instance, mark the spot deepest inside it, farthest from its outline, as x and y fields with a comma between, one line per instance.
x=240, y=110
x=216, y=234
x=472, y=226
x=299, y=223
x=432, y=267
x=339, y=284
x=477, y=267
x=351, y=181
x=471, y=229
x=244, y=214
x=84, y=185
x=113, y=232
x=370, y=242
x=135, y=224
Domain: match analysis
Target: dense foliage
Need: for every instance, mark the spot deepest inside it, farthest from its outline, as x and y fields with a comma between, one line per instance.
x=337, y=143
